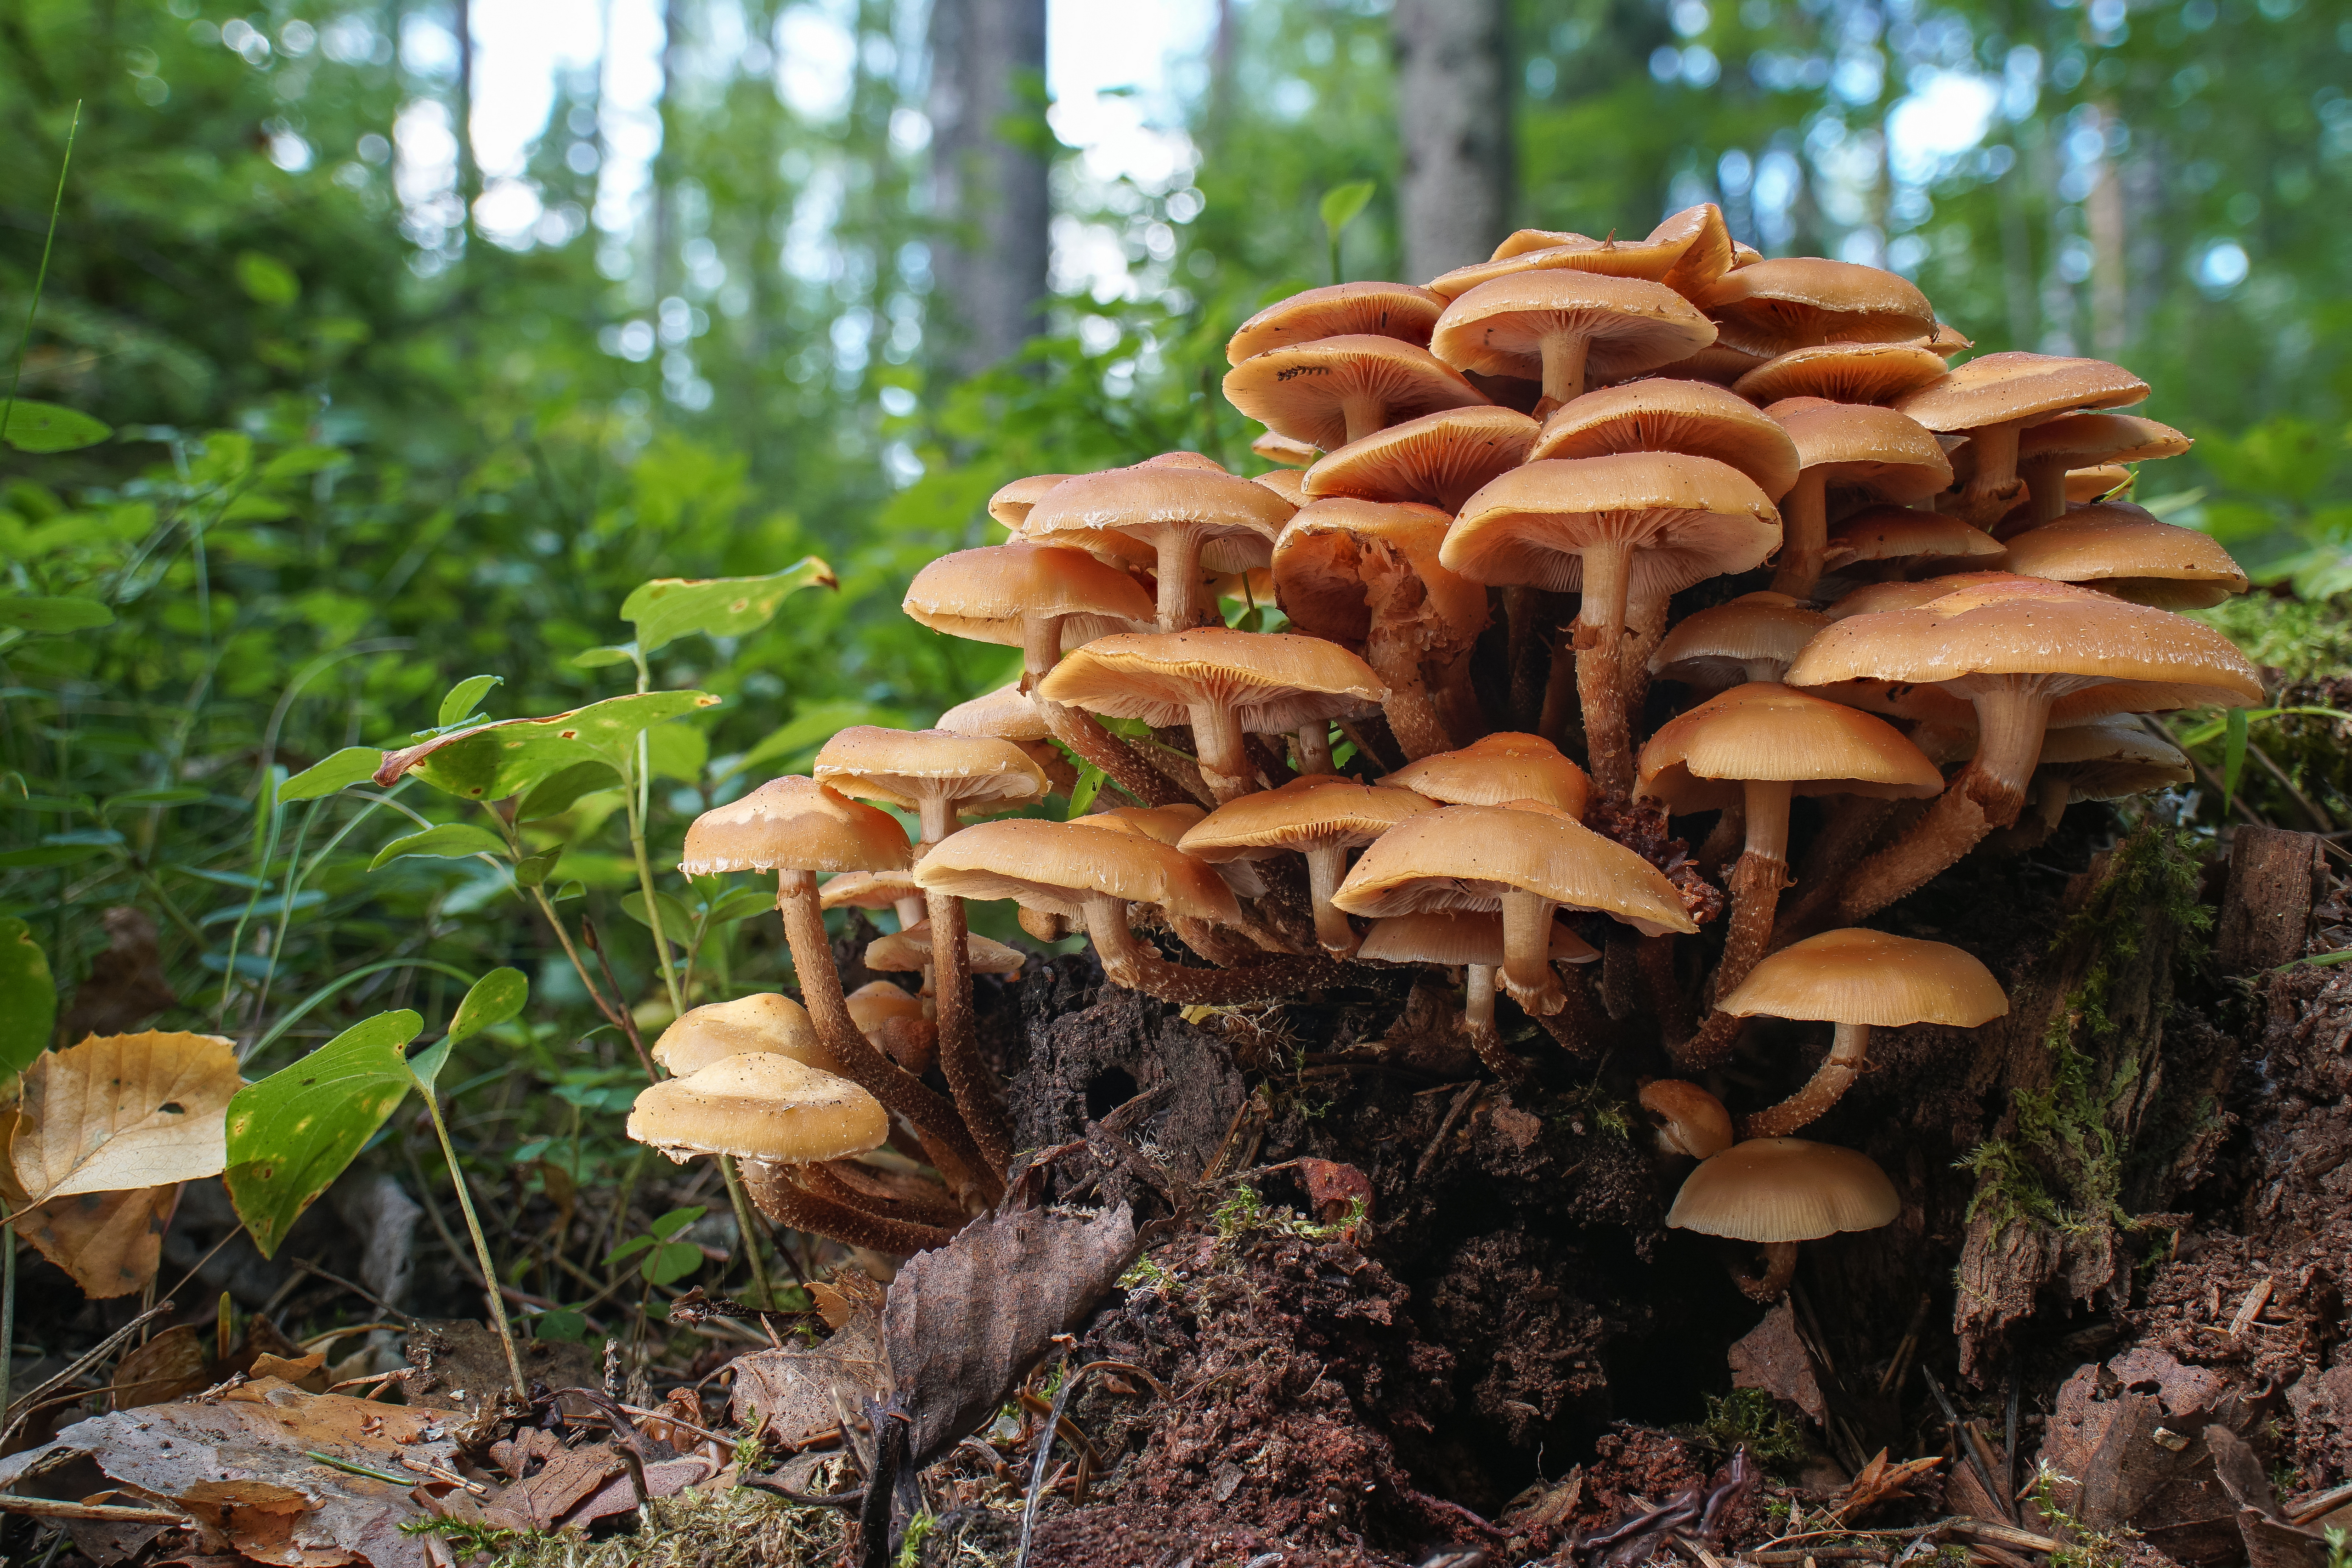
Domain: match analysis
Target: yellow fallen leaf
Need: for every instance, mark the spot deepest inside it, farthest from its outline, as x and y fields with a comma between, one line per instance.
x=111, y=1243
x=119, y=1112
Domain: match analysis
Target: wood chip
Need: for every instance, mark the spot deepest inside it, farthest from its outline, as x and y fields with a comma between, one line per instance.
x=2252, y=1307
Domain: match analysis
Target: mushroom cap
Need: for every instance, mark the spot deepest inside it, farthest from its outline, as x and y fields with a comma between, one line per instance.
x=1885, y=533
x=795, y=824
x=1302, y=391
x=1771, y=1190
x=1468, y=857
x=1199, y=462
x=1499, y=327
x=1660, y=414
x=1768, y=733
x=1497, y=769
x=906, y=767
x=2076, y=638
x=1333, y=551
x=1396, y=310
x=987, y=594
x=1694, y=1121
x=1947, y=341
x=1686, y=251
x=1008, y=714
x=1689, y=519
x=761, y=1105
x=1011, y=503
x=1718, y=362
x=2013, y=387
x=1056, y=866
x=1440, y=457
x=2112, y=757
x=1278, y=447
x=1166, y=824
x=1724, y=639
x=1861, y=447
x=2101, y=481
x=1271, y=681
x=903, y=951
x=2119, y=547
x=1290, y=484
x=1318, y=811
x=2086, y=439
x=877, y=1002
x=1130, y=512
x=867, y=890
x=1771, y=307
x=1842, y=372
x=761, y=1022
x=1453, y=937
x=1858, y=976
x=1876, y=598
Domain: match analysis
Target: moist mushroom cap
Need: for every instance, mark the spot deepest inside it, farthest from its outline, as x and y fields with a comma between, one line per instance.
x=1167, y=823
x=2098, y=482
x=1689, y=519
x=986, y=594
x=1496, y=770
x=1686, y=251
x=1766, y=731
x=1054, y=866
x=761, y=1105
x=877, y=1002
x=1629, y=325
x=1396, y=310
x=1727, y=637
x=1011, y=503
x=2004, y=388
x=1440, y=457
x=1870, y=977
x=1123, y=511
x=1842, y=372
x=1694, y=1119
x=1270, y=680
x=906, y=767
x=1290, y=484
x=1771, y=1190
x=1007, y=713
x=795, y=824
x=1718, y=362
x=1468, y=857
x=2088, y=440
x=1319, y=811
x=1300, y=391
x=2112, y=757
x=1885, y=533
x=1662, y=414
x=1771, y=307
x=1861, y=447
x=2116, y=542
x=1328, y=552
x=904, y=951
x=761, y=1022
x=1453, y=937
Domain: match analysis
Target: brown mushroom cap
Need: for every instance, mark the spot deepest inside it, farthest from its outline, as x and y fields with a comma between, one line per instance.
x=1906, y=533
x=762, y=1105
x=2103, y=481
x=877, y=1002
x=2119, y=549
x=1269, y=681
x=1496, y=770
x=795, y=824
x=1440, y=457
x=1718, y=362
x=1686, y=251
x=1500, y=327
x=763, y=1022
x=916, y=768
x=1687, y=518
x=1396, y=310
x=1453, y=937
x=1869, y=977
x=1877, y=598
x=2083, y=440
x=1054, y=866
x=906, y=950
x=1318, y=811
x=1771, y=307
x=1330, y=554
x=1948, y=341
x=2013, y=386
x=1877, y=451
x=1008, y=714
x=1774, y=1190
x=1661, y=415
x=868, y=890
x=1765, y=732
x=1011, y=504
x=1842, y=372
x=1469, y=857
x=992, y=594
x=1306, y=392
x=2110, y=758
x=1166, y=824
x=1290, y=484
x=1137, y=513
x=1278, y=447
x=1752, y=637
x=1693, y=1121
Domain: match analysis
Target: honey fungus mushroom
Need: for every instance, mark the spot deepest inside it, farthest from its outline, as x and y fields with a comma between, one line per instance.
x=1778, y=1192
x=764, y=1021
x=1320, y=816
x=1179, y=519
x=1994, y=398
x=1472, y=941
x=1337, y=390
x=1689, y=1121
x=1560, y=327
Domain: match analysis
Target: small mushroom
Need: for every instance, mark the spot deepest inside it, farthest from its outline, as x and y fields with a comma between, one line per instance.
x=1791, y=302
x=1498, y=769
x=1322, y=817
x=1040, y=599
x=892, y=890
x=1666, y=416
x=2106, y=759
x=1276, y=448
x=1854, y=449
x=1396, y=310
x=2104, y=481
x=1472, y=941
x=1690, y=1121
x=1842, y=372
x=909, y=951
x=2118, y=549
x=1180, y=519
x=896, y=1022
x=762, y=1022
x=1898, y=540
x=1337, y=390
x=1011, y=504
x=1778, y=1192
x=1561, y=327
x=1440, y=459
x=1008, y=713
x=1751, y=637
x=1686, y=251
x=2049, y=452
x=1994, y=398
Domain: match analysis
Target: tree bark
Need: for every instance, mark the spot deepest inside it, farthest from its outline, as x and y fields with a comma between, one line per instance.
x=1454, y=110
x=989, y=194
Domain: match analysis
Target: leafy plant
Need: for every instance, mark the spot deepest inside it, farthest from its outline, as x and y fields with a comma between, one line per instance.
x=662, y=1258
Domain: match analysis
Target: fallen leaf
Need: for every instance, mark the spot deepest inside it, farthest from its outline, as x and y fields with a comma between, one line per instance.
x=1772, y=1358
x=461, y=1365
x=541, y=1502
x=165, y=1368
x=122, y=1112
x=110, y=1242
x=126, y=986
x=1879, y=1481
x=794, y=1390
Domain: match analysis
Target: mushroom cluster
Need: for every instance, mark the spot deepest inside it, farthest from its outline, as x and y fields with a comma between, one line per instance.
x=1570, y=550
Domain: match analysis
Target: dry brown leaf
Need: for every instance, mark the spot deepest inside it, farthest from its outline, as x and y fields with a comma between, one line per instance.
x=171, y=1365
x=111, y=1243
x=795, y=1389
x=122, y=1112
x=1879, y=1481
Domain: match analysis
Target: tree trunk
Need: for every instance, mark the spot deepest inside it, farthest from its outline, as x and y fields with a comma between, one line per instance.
x=1454, y=110
x=988, y=195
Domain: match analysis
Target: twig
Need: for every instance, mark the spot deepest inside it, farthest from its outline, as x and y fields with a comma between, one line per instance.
x=1037, y=1467
x=1451, y=1112
x=88, y=1359
x=55, y=1508
x=2320, y=1506
x=363, y=1292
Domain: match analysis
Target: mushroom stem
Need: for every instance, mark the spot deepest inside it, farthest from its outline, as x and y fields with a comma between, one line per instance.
x=1478, y=997
x=1576, y=1028
x=909, y=1198
x=861, y=1063
x=1111, y=756
x=1528, y=640
x=1779, y=1267
x=938, y=815
x=786, y=1202
x=1129, y=963
x=1526, y=952
x=1723, y=841
x=1561, y=697
x=1225, y=952
x=1043, y=924
x=1041, y=647
x=1223, y=757
x=1178, y=568
x=1326, y=865
x=1645, y=629
x=1394, y=654
x=1365, y=413
x=1313, y=746
x=1600, y=671
x=910, y=911
x=1656, y=955
x=1993, y=488
x=1755, y=881
x=2045, y=485
x=1804, y=534
x=1563, y=369
x=967, y=1074
x=1849, y=1054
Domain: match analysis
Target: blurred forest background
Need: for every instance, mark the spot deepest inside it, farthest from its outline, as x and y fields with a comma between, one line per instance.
x=387, y=414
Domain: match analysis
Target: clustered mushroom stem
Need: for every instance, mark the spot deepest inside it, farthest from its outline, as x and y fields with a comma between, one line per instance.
x=1953, y=826
x=967, y=1074
x=1561, y=697
x=1326, y=865
x=933, y=1207
x=1724, y=841
x=1313, y=744
x=1656, y=962
x=1755, y=881
x=1849, y=1054
x=1129, y=963
x=1779, y=1267
x=1041, y=649
x=1804, y=534
x=1117, y=760
x=788, y=1202
x=1478, y=997
x=910, y=911
x=1564, y=354
x=2045, y=487
x=1523, y=615
x=1179, y=571
x=1413, y=719
x=1224, y=758
x=1365, y=414
x=933, y=1118
x=938, y=815
x=1994, y=487
x=1526, y=952
x=1600, y=674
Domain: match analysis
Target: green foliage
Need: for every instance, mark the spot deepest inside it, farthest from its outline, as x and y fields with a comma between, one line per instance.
x=28, y=997
x=671, y=608
x=662, y=1260
x=46, y=428
x=1752, y=1419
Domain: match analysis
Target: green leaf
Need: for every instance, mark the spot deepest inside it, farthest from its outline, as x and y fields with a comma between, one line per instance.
x=672, y=607
x=670, y=1262
x=1082, y=793
x=267, y=280
x=555, y=796
x=1343, y=204
x=743, y=904
x=2233, y=755
x=677, y=751
x=678, y=920
x=564, y=1325
x=666, y=1226
x=48, y=855
x=448, y=842
x=605, y=656
x=459, y=704
x=569, y=891
x=352, y=765
x=492, y=762
x=491, y=1001
x=39, y=615
x=809, y=727
x=50, y=427
x=29, y=996
x=532, y=870
x=291, y=1134
x=629, y=1249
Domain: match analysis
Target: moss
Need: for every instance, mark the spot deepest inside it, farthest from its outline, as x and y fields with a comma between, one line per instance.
x=1752, y=1419
x=738, y=1528
x=2302, y=639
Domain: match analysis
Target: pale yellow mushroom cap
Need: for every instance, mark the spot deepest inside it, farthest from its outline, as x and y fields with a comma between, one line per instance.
x=1859, y=977
x=762, y=1022
x=761, y=1105
x=1784, y=1189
